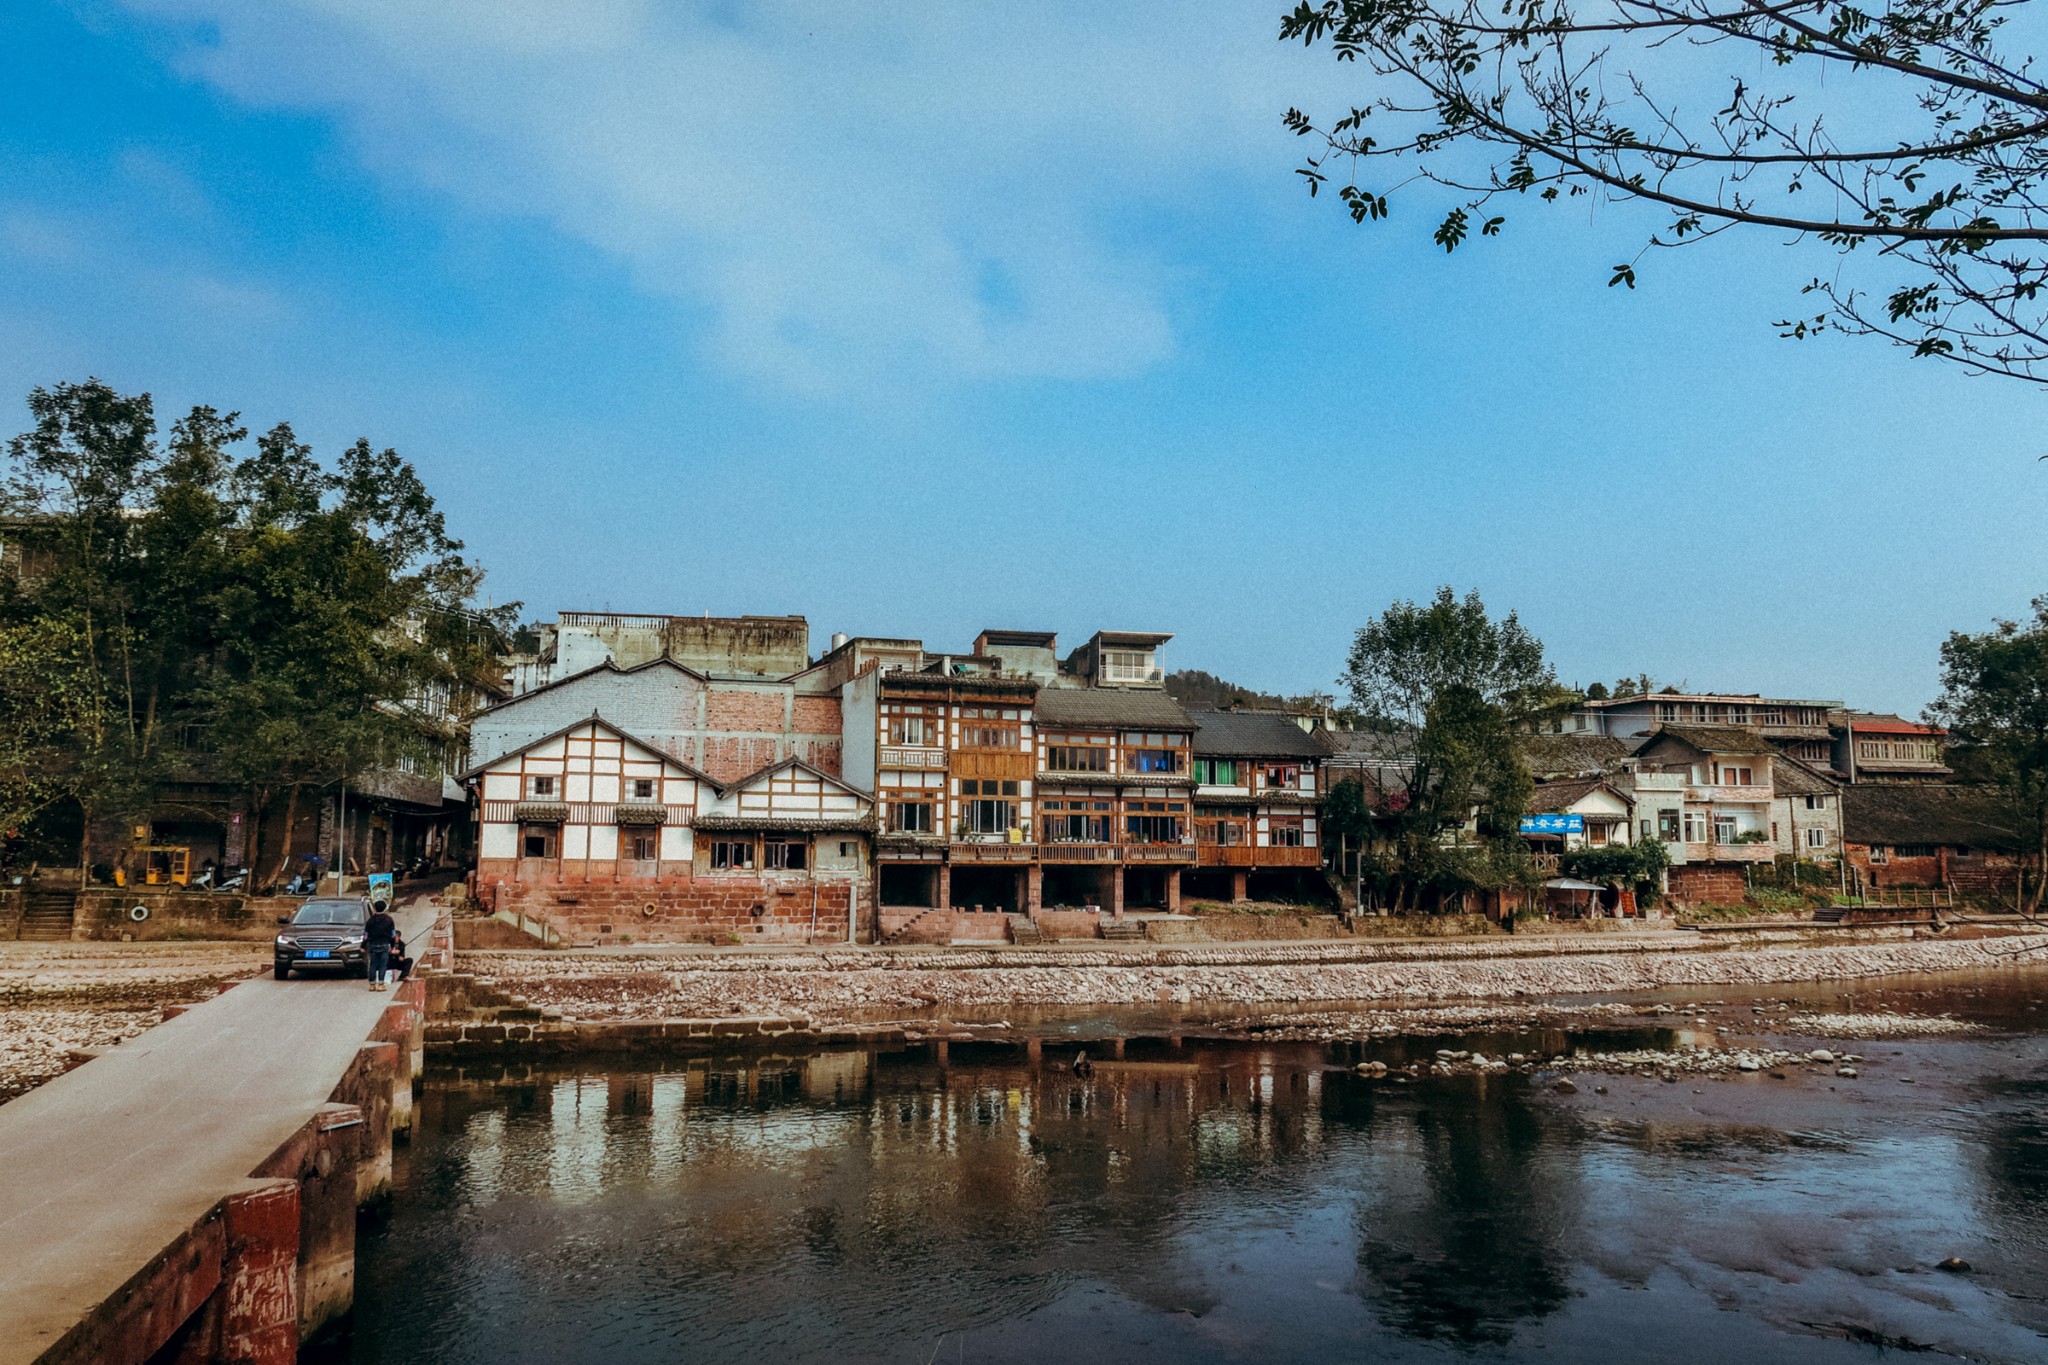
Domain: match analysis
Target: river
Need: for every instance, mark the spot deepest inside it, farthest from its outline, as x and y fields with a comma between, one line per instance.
x=1199, y=1200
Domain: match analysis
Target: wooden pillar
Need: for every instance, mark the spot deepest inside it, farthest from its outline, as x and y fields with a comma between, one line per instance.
x=1116, y=892
x=1034, y=889
x=1240, y=880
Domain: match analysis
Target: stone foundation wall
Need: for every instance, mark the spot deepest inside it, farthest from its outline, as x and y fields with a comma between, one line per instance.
x=745, y=910
x=104, y=913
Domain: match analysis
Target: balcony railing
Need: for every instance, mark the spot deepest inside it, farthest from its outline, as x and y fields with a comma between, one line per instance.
x=1077, y=852
x=1245, y=855
x=994, y=853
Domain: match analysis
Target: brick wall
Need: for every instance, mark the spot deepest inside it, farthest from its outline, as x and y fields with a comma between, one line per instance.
x=1708, y=884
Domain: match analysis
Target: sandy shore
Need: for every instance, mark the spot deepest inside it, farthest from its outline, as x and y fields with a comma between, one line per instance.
x=846, y=986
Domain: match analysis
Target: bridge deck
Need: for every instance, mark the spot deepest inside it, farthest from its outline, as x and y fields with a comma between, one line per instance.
x=103, y=1167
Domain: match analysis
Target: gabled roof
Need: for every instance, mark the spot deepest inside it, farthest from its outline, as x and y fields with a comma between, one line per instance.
x=1928, y=813
x=755, y=776
x=592, y=719
x=1712, y=739
x=1790, y=777
x=608, y=666
x=1109, y=707
x=1560, y=796
x=1252, y=734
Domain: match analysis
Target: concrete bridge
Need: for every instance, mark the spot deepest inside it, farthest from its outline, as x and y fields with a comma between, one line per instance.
x=191, y=1195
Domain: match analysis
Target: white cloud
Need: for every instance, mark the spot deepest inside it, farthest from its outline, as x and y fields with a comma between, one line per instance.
x=845, y=191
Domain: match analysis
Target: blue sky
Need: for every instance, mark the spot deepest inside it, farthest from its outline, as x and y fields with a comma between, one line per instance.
x=917, y=321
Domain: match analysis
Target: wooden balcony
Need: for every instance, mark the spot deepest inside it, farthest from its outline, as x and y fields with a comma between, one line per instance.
x=1159, y=853
x=1245, y=855
x=1078, y=853
x=994, y=853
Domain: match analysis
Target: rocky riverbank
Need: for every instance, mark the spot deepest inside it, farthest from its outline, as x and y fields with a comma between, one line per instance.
x=854, y=986
x=57, y=997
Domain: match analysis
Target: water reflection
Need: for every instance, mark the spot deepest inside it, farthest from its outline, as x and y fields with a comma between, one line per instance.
x=1191, y=1201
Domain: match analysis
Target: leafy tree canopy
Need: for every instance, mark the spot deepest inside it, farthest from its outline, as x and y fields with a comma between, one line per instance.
x=1908, y=138
x=1994, y=700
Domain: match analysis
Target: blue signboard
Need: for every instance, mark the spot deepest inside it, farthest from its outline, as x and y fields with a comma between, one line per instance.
x=380, y=888
x=1553, y=824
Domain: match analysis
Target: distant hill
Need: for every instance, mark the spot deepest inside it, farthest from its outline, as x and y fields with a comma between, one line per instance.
x=1193, y=687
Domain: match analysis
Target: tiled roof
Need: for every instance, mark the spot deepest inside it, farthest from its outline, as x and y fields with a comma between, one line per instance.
x=1789, y=777
x=1714, y=739
x=1572, y=755
x=1368, y=746
x=1927, y=813
x=1109, y=706
x=1872, y=724
x=1252, y=734
x=1559, y=796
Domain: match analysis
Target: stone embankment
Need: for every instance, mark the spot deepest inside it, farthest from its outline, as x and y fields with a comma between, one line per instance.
x=864, y=985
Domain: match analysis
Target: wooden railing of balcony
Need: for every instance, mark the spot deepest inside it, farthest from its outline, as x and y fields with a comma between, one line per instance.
x=1245, y=855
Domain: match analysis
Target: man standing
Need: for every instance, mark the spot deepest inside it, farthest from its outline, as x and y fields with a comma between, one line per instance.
x=378, y=932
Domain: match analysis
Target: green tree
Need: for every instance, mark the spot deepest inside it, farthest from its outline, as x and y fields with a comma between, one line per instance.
x=45, y=704
x=1908, y=139
x=242, y=618
x=1462, y=686
x=1994, y=700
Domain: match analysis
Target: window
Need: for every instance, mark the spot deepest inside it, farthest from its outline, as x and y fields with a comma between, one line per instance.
x=1283, y=833
x=988, y=737
x=732, y=855
x=783, y=856
x=1646, y=829
x=1064, y=827
x=990, y=817
x=1738, y=777
x=1697, y=829
x=540, y=786
x=1126, y=665
x=987, y=787
x=1223, y=833
x=1724, y=829
x=1816, y=837
x=1816, y=802
x=906, y=730
x=1216, y=772
x=1286, y=775
x=1152, y=761
x=640, y=846
x=1152, y=829
x=910, y=817
x=537, y=841
x=1598, y=833
x=1915, y=850
x=1667, y=826
x=1879, y=853
x=640, y=788
x=1065, y=758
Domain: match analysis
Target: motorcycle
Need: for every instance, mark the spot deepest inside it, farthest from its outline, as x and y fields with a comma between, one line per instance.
x=205, y=881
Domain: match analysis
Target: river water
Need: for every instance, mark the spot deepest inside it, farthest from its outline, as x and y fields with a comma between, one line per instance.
x=1197, y=1200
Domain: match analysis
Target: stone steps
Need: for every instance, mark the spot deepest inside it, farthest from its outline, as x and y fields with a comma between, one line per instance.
x=1024, y=931
x=1123, y=930
x=47, y=916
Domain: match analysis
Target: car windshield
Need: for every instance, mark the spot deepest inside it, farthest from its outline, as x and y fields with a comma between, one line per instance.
x=331, y=912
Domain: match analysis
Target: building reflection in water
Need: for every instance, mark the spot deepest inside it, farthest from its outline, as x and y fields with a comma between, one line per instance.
x=1195, y=1202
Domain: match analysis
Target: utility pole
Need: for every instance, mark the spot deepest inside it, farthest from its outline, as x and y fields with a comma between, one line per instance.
x=341, y=841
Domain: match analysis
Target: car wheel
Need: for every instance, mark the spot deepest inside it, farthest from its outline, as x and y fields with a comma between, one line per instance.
x=280, y=971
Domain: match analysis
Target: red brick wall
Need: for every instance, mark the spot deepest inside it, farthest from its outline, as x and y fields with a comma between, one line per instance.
x=1708, y=884
x=733, y=709
x=685, y=909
